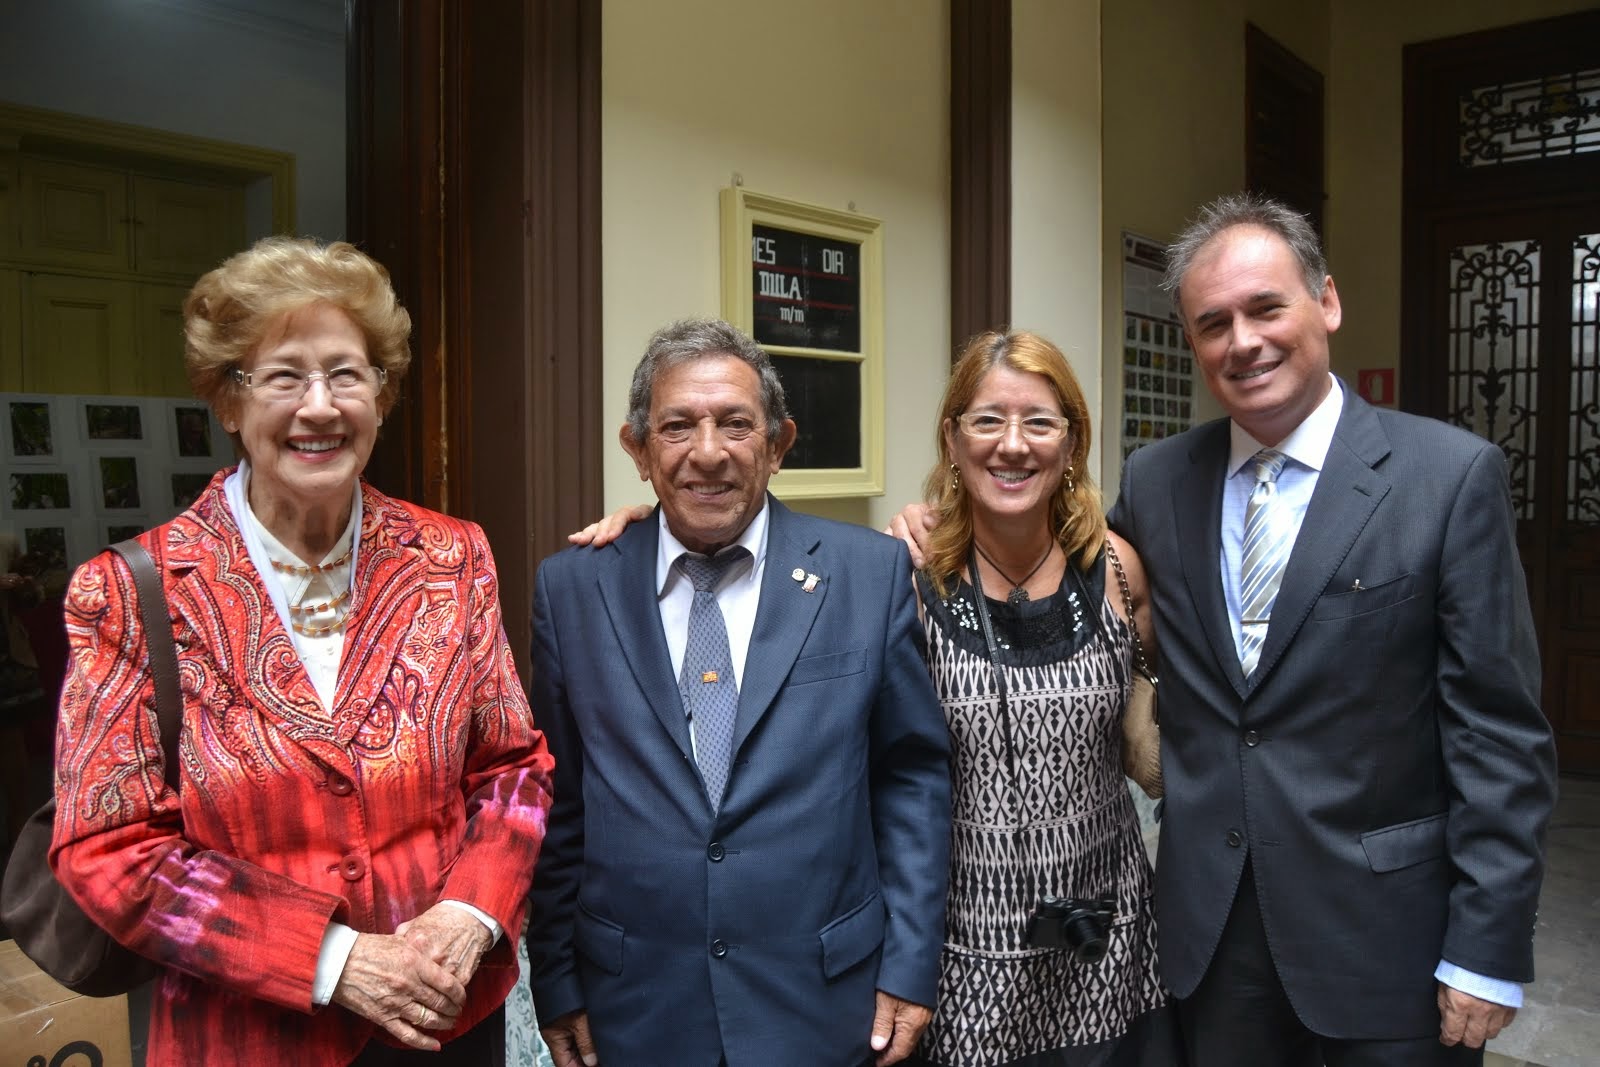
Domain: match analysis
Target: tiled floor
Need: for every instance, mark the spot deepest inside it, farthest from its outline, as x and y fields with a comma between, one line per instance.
x=1559, y=1024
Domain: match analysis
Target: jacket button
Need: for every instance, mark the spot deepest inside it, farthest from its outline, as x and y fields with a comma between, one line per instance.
x=716, y=852
x=340, y=786
x=1235, y=839
x=353, y=868
x=719, y=948
x=1252, y=739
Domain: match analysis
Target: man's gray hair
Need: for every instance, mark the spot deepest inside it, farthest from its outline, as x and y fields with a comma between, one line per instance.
x=1247, y=209
x=688, y=340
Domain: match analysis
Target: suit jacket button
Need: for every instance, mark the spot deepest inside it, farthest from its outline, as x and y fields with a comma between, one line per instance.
x=716, y=852
x=719, y=948
x=1252, y=739
x=1235, y=839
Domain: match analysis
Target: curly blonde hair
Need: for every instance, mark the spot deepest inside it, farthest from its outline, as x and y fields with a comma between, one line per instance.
x=1076, y=515
x=230, y=310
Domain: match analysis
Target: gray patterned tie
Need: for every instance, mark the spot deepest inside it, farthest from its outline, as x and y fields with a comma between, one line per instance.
x=710, y=693
x=1268, y=538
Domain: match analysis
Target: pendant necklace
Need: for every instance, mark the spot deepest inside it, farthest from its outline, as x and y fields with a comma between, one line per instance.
x=1017, y=594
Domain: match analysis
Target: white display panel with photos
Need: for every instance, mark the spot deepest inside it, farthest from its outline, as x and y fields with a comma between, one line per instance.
x=82, y=472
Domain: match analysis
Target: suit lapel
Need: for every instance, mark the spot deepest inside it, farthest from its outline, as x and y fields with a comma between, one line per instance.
x=387, y=608
x=783, y=618
x=628, y=590
x=1348, y=491
x=1197, y=516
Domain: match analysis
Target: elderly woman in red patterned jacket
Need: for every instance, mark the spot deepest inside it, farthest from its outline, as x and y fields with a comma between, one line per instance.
x=340, y=876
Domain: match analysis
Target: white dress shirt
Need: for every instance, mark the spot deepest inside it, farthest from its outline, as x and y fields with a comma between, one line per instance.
x=738, y=594
x=1307, y=449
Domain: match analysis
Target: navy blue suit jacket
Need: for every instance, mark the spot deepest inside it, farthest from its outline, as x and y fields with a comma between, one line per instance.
x=1387, y=766
x=761, y=931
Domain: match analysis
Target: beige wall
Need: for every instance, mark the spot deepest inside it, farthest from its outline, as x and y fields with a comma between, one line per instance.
x=1365, y=113
x=836, y=103
x=1174, y=120
x=1056, y=268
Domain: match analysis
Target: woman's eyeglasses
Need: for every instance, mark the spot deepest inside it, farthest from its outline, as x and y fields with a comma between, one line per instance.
x=987, y=426
x=292, y=383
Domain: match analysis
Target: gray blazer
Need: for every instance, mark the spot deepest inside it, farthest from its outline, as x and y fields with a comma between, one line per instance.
x=1387, y=767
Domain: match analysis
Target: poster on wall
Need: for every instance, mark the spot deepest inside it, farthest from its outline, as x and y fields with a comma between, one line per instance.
x=1157, y=365
x=82, y=472
x=807, y=283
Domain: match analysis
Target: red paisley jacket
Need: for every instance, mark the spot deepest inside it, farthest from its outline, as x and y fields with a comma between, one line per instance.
x=427, y=779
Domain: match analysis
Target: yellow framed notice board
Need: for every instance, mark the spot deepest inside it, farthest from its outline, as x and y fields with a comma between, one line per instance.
x=807, y=283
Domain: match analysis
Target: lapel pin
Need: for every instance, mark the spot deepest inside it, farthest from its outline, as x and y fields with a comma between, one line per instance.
x=811, y=583
x=1357, y=587
x=798, y=575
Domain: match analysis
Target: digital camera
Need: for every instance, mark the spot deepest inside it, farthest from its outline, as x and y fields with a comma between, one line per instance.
x=1078, y=924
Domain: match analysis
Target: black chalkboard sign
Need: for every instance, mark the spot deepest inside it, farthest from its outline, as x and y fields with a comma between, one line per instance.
x=805, y=291
x=824, y=398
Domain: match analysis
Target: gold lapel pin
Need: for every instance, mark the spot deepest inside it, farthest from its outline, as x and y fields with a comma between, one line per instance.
x=798, y=574
x=811, y=583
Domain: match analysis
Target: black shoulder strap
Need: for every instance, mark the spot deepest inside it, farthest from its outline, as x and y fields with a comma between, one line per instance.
x=163, y=655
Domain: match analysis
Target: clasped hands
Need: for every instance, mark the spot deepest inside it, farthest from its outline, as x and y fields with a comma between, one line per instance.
x=415, y=979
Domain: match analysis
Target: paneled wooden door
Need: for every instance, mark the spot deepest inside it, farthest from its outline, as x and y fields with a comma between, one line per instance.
x=1502, y=311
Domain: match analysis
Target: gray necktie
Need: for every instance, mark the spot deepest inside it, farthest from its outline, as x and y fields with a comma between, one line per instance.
x=710, y=693
x=1268, y=538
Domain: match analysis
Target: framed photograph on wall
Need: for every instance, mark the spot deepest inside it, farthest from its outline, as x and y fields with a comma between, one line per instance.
x=118, y=484
x=49, y=542
x=31, y=431
x=807, y=283
x=191, y=429
x=112, y=419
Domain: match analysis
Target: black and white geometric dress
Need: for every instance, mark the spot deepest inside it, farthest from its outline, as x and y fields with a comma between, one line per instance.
x=1040, y=808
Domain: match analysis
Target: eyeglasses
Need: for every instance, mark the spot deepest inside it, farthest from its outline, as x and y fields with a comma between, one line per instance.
x=987, y=426
x=279, y=384
x=733, y=428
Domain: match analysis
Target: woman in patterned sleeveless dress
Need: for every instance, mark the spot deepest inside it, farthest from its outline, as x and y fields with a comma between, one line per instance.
x=1041, y=807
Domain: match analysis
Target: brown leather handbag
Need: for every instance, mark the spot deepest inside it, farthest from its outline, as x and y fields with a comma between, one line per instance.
x=1141, y=729
x=46, y=922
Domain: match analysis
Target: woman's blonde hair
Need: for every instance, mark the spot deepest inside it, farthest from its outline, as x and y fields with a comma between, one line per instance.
x=230, y=309
x=1076, y=517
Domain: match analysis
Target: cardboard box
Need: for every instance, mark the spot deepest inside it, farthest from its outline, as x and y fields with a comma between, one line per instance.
x=44, y=1023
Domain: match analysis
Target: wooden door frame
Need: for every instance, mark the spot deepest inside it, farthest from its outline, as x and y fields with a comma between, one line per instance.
x=1446, y=202
x=474, y=176
x=980, y=168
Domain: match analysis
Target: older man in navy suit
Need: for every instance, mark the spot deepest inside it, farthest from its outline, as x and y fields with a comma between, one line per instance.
x=747, y=857
x=1358, y=772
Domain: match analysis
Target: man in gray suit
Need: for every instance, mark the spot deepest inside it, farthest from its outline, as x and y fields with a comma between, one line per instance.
x=1358, y=773
x=747, y=857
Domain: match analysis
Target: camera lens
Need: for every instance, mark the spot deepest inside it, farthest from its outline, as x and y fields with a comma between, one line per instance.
x=1087, y=936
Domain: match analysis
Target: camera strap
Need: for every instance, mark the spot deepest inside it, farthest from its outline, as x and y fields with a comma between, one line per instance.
x=982, y=606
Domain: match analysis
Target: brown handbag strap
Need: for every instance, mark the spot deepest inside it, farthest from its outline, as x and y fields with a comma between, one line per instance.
x=1139, y=661
x=163, y=654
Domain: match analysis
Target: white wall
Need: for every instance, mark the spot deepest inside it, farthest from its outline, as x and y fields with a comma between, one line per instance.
x=266, y=73
x=1056, y=267
x=834, y=102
